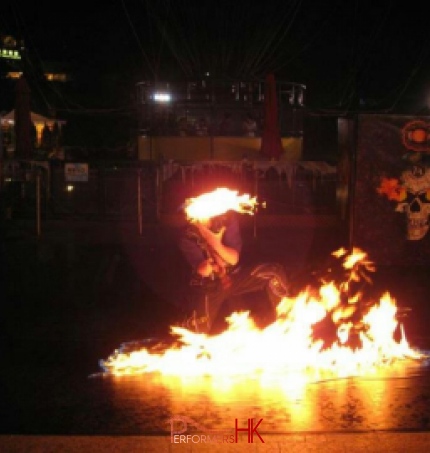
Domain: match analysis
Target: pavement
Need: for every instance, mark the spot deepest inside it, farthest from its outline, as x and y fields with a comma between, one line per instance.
x=56, y=285
x=380, y=442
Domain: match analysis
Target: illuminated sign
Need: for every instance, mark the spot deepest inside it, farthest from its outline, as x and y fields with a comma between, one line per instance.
x=10, y=54
x=76, y=172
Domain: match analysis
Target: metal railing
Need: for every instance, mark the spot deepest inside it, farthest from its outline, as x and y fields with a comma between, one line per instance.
x=142, y=192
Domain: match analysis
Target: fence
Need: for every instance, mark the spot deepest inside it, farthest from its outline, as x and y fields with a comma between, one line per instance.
x=144, y=191
x=109, y=190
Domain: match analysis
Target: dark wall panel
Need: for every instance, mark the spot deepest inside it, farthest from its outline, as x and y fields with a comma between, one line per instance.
x=392, y=184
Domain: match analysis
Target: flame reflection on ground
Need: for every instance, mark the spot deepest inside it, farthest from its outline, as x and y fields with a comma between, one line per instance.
x=390, y=399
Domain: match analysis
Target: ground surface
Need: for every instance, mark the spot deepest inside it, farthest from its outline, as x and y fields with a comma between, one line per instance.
x=74, y=294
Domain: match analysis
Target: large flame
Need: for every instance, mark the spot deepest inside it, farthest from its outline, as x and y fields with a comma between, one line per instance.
x=363, y=337
x=221, y=200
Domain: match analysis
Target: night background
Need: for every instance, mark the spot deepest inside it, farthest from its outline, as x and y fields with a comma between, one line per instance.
x=88, y=265
x=360, y=55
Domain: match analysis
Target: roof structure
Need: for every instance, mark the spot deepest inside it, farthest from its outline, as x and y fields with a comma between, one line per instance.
x=36, y=118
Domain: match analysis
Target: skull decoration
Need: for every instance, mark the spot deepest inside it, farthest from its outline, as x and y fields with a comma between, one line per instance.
x=416, y=202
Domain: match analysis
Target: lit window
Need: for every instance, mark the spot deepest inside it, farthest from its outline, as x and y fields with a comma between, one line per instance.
x=13, y=75
x=56, y=77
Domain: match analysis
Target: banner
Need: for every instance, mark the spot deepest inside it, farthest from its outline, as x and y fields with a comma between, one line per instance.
x=391, y=207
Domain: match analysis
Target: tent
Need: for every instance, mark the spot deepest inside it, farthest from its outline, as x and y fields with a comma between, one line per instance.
x=38, y=120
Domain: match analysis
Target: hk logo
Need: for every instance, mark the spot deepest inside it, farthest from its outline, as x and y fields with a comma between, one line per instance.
x=179, y=432
x=251, y=430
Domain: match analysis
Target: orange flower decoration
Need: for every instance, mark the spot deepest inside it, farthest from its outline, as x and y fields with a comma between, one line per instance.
x=392, y=189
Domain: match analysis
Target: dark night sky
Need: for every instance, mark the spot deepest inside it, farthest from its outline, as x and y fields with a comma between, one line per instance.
x=377, y=51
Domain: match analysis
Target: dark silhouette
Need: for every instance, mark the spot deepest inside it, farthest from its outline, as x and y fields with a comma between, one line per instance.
x=23, y=125
x=271, y=143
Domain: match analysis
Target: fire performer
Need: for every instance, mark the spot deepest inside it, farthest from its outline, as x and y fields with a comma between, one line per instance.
x=212, y=244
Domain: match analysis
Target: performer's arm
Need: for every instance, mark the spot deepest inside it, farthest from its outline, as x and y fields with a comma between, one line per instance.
x=214, y=241
x=226, y=244
x=228, y=253
x=195, y=256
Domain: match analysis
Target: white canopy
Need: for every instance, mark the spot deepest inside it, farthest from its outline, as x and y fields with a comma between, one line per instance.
x=36, y=118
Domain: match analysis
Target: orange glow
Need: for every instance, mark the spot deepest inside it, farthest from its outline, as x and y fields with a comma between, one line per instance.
x=419, y=135
x=288, y=346
x=218, y=202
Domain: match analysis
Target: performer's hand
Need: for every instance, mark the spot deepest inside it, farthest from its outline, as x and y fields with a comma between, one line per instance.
x=214, y=239
x=205, y=268
x=218, y=266
x=208, y=267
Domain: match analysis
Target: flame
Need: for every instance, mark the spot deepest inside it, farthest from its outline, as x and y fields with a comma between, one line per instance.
x=218, y=202
x=364, y=337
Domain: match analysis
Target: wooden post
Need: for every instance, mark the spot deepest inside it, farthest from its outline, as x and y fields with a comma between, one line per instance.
x=1, y=156
x=158, y=191
x=38, y=227
x=139, y=201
